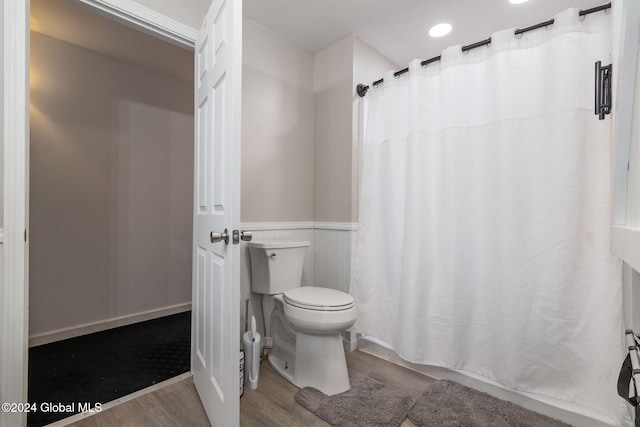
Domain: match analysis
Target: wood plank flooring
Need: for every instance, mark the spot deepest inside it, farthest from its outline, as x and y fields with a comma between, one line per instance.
x=177, y=404
x=272, y=404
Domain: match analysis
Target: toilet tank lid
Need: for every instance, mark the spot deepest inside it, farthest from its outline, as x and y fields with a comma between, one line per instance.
x=278, y=244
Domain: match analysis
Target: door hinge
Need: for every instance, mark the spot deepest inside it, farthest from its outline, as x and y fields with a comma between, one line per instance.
x=25, y=235
x=603, y=90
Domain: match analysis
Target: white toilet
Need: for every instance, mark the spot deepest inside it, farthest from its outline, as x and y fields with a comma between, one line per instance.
x=306, y=322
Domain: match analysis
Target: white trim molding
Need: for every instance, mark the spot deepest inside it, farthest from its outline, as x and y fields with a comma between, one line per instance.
x=345, y=226
x=260, y=226
x=144, y=19
x=625, y=235
x=300, y=225
x=103, y=325
x=625, y=242
x=14, y=280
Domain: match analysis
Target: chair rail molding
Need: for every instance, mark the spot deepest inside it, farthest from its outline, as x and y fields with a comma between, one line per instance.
x=299, y=225
x=345, y=226
x=276, y=225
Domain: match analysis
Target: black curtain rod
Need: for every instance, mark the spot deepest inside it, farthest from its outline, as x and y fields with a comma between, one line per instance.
x=468, y=47
x=534, y=27
x=363, y=89
x=595, y=9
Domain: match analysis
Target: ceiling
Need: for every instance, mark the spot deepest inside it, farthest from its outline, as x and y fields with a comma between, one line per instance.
x=398, y=28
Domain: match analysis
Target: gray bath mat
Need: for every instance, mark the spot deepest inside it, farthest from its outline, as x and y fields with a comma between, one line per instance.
x=367, y=403
x=446, y=403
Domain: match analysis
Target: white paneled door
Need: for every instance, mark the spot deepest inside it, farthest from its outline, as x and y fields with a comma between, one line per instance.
x=216, y=257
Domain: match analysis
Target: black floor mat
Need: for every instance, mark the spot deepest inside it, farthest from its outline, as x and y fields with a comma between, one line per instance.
x=104, y=366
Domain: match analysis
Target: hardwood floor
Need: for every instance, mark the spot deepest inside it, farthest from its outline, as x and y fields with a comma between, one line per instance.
x=174, y=405
x=271, y=404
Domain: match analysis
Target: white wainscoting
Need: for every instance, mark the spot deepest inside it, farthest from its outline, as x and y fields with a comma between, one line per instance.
x=333, y=250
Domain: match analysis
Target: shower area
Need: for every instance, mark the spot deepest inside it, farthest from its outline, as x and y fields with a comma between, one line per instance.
x=483, y=243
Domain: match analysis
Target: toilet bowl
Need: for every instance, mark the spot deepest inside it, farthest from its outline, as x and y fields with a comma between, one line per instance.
x=306, y=322
x=318, y=311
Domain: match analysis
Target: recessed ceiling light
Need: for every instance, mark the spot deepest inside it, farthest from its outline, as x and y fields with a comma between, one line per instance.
x=518, y=1
x=440, y=30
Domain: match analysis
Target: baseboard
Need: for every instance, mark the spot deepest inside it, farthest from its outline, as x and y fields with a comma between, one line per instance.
x=103, y=325
x=350, y=341
x=568, y=412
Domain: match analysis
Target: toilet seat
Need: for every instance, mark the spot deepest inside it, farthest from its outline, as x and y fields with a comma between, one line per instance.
x=318, y=299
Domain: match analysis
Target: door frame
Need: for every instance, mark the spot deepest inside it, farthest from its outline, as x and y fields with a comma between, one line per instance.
x=14, y=242
x=14, y=281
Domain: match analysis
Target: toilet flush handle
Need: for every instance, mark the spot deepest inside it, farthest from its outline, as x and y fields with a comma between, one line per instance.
x=273, y=255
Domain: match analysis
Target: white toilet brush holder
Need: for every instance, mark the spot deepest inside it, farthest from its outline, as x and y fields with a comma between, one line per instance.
x=252, y=343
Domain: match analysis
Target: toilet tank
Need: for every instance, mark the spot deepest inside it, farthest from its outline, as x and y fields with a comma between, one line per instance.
x=276, y=266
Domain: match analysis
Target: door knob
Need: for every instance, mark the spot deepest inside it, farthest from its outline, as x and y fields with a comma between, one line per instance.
x=241, y=235
x=219, y=237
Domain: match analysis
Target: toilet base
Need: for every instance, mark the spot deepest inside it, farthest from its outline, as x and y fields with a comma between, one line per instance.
x=319, y=363
x=285, y=368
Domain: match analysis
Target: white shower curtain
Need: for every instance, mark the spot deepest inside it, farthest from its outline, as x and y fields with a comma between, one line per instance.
x=483, y=238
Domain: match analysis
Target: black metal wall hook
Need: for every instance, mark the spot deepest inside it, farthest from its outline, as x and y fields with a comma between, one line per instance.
x=603, y=90
x=362, y=90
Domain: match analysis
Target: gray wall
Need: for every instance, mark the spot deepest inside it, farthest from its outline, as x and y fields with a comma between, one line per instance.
x=277, y=128
x=333, y=137
x=111, y=186
x=300, y=121
x=338, y=69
